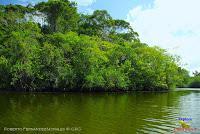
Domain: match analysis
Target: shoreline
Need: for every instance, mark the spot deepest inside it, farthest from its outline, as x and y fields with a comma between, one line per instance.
x=92, y=91
x=86, y=91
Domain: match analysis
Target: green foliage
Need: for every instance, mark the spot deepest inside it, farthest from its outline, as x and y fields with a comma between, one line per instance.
x=194, y=82
x=4, y=73
x=62, y=15
x=184, y=77
x=101, y=24
x=94, y=53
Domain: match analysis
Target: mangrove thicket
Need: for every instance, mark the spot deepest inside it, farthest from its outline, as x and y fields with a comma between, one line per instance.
x=50, y=46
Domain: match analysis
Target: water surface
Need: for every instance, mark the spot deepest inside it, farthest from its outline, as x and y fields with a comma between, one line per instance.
x=101, y=113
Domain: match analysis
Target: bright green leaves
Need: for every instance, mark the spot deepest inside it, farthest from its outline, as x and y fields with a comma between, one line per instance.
x=108, y=78
x=151, y=65
x=102, y=25
x=87, y=53
x=61, y=15
x=68, y=61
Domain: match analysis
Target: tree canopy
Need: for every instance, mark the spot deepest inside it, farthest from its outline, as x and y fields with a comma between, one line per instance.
x=73, y=51
x=61, y=15
x=101, y=24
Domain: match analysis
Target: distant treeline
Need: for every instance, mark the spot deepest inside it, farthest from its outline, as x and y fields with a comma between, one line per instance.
x=51, y=46
x=194, y=82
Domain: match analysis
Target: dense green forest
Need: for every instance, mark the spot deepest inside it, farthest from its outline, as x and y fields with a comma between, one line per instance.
x=194, y=82
x=50, y=46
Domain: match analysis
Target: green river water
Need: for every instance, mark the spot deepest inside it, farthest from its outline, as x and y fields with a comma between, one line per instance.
x=100, y=113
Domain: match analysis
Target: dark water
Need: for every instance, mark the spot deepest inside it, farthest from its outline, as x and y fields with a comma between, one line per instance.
x=100, y=113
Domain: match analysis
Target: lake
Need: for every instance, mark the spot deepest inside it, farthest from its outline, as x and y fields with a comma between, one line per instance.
x=100, y=113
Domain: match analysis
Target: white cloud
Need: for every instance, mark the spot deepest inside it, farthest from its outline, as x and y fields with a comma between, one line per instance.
x=173, y=25
x=84, y=2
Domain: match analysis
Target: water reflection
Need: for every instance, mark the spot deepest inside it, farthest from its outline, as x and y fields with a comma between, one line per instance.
x=101, y=112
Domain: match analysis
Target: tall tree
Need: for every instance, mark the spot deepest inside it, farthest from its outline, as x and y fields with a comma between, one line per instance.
x=196, y=73
x=101, y=24
x=61, y=15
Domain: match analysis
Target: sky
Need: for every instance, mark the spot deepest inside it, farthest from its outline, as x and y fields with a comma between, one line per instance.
x=171, y=24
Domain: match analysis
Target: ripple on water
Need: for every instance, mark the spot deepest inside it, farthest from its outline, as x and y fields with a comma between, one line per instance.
x=102, y=113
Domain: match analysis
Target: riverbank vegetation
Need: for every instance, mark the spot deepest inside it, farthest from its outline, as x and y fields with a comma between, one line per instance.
x=194, y=81
x=52, y=46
